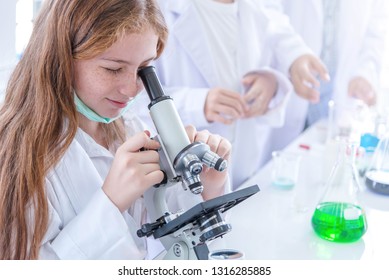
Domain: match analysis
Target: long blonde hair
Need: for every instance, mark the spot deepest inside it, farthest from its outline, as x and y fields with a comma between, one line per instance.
x=38, y=117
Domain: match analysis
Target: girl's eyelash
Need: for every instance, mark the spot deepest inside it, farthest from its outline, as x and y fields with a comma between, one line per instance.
x=113, y=71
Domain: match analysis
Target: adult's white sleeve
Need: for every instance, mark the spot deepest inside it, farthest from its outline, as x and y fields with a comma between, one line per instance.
x=286, y=43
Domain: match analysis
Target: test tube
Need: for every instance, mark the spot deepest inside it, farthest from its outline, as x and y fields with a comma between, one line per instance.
x=331, y=120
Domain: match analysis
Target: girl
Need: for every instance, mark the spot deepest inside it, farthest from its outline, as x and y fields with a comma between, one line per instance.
x=71, y=171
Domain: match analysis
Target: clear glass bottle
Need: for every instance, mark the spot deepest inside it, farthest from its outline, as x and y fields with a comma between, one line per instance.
x=368, y=144
x=338, y=216
x=377, y=175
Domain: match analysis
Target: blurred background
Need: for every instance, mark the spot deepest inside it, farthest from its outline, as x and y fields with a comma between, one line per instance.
x=16, y=20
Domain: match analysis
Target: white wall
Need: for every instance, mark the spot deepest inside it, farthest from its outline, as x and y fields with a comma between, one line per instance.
x=7, y=41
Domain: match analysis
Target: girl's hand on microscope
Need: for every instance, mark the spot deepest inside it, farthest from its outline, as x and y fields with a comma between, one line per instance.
x=212, y=180
x=133, y=170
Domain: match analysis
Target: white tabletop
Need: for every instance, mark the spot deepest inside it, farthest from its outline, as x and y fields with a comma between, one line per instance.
x=276, y=223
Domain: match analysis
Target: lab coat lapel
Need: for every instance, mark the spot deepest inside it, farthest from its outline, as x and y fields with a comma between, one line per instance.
x=343, y=35
x=82, y=179
x=317, y=10
x=186, y=31
x=313, y=32
x=246, y=38
x=351, y=10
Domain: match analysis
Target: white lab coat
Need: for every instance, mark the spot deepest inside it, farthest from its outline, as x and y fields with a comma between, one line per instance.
x=360, y=44
x=84, y=223
x=186, y=72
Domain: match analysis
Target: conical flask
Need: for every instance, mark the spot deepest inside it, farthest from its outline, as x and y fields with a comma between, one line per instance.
x=377, y=174
x=338, y=216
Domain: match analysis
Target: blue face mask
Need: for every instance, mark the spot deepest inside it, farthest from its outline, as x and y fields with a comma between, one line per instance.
x=93, y=116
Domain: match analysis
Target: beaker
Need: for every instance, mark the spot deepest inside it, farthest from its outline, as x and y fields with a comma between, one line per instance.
x=338, y=216
x=285, y=169
x=377, y=174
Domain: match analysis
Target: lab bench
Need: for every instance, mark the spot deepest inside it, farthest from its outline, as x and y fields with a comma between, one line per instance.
x=275, y=224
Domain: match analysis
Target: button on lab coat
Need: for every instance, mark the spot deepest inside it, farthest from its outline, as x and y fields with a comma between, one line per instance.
x=186, y=72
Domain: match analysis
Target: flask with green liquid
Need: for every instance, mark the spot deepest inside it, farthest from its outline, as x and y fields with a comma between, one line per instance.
x=338, y=216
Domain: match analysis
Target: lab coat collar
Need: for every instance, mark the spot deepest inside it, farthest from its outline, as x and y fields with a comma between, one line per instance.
x=90, y=146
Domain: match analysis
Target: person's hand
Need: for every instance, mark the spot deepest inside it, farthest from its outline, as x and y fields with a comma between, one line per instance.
x=303, y=73
x=133, y=171
x=261, y=89
x=212, y=180
x=360, y=88
x=224, y=106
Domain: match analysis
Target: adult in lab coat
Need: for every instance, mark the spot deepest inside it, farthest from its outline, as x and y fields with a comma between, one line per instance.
x=73, y=168
x=359, y=45
x=189, y=71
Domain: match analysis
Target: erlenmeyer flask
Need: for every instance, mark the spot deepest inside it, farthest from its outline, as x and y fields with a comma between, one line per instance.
x=338, y=216
x=377, y=174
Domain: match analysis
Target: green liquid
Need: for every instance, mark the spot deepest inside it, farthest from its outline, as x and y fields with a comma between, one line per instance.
x=339, y=222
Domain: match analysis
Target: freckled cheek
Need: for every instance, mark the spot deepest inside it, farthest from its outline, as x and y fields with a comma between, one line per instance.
x=139, y=86
x=94, y=84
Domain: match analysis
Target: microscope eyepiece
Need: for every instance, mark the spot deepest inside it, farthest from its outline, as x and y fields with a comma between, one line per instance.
x=151, y=82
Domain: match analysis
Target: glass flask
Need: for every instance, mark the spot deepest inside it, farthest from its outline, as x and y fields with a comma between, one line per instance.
x=377, y=174
x=338, y=216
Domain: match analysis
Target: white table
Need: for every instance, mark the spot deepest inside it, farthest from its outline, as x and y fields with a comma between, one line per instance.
x=269, y=225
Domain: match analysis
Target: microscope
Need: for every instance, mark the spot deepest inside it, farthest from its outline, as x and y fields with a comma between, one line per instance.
x=184, y=235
